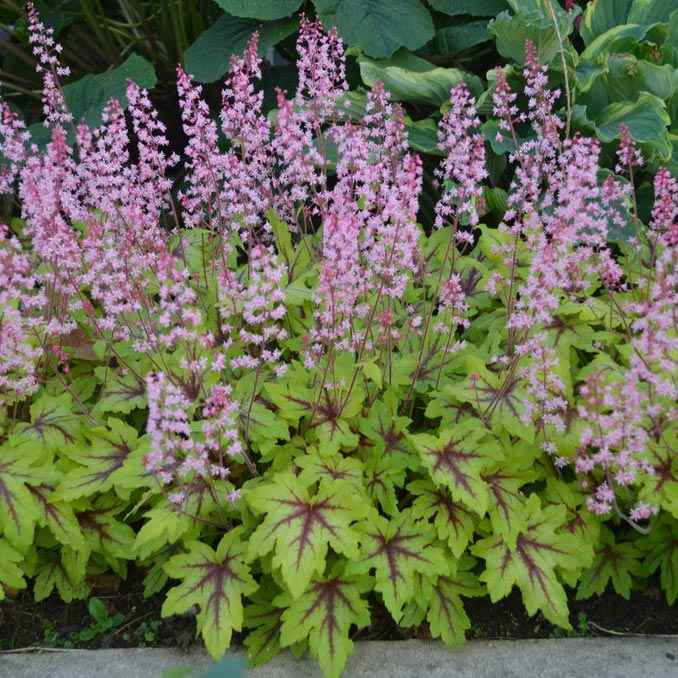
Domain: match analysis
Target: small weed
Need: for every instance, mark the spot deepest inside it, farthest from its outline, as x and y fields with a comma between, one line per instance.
x=581, y=629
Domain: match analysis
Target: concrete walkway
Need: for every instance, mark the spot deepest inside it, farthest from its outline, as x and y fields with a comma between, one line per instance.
x=652, y=657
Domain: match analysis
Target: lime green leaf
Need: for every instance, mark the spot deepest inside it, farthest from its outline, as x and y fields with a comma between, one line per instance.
x=471, y=7
x=614, y=562
x=601, y=16
x=299, y=528
x=10, y=572
x=65, y=572
x=99, y=463
x=661, y=547
x=59, y=517
x=215, y=581
x=324, y=613
x=378, y=27
x=163, y=525
x=456, y=459
x=533, y=564
x=121, y=393
x=336, y=467
x=397, y=549
x=263, y=620
x=409, y=78
x=454, y=523
x=209, y=57
x=260, y=9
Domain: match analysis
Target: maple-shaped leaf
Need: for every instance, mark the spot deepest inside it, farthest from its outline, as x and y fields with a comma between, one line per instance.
x=59, y=517
x=616, y=563
x=19, y=508
x=98, y=463
x=661, y=547
x=534, y=562
x=454, y=523
x=335, y=467
x=506, y=499
x=263, y=619
x=497, y=396
x=299, y=528
x=265, y=428
x=216, y=582
x=63, y=571
x=661, y=487
x=397, y=549
x=457, y=458
x=10, y=572
x=106, y=535
x=122, y=392
x=53, y=426
x=381, y=480
x=324, y=614
x=163, y=525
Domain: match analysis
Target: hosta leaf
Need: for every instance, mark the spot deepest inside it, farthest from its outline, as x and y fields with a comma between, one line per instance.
x=215, y=581
x=456, y=459
x=378, y=27
x=100, y=462
x=324, y=614
x=53, y=425
x=534, y=562
x=59, y=517
x=299, y=528
x=616, y=563
x=260, y=9
x=454, y=523
x=602, y=15
x=209, y=57
x=10, y=572
x=472, y=7
x=661, y=547
x=397, y=549
x=409, y=78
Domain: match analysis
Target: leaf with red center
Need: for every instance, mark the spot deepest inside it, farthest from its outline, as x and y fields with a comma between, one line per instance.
x=100, y=463
x=616, y=563
x=163, y=525
x=122, y=393
x=331, y=468
x=299, y=528
x=215, y=581
x=661, y=487
x=533, y=565
x=506, y=500
x=661, y=547
x=263, y=621
x=59, y=517
x=64, y=570
x=324, y=614
x=53, y=424
x=454, y=523
x=397, y=549
x=457, y=458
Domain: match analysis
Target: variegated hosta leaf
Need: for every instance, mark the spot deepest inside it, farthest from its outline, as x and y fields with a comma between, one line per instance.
x=397, y=549
x=533, y=565
x=457, y=458
x=298, y=528
x=215, y=581
x=324, y=614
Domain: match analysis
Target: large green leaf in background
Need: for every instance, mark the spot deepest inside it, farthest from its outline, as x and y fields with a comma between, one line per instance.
x=409, y=78
x=455, y=38
x=378, y=27
x=260, y=9
x=472, y=7
x=209, y=57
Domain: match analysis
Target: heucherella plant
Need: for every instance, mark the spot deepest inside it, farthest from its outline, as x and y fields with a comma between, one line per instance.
x=251, y=370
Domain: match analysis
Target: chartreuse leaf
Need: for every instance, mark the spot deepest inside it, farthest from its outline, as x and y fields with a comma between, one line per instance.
x=99, y=463
x=298, y=528
x=457, y=457
x=661, y=547
x=533, y=564
x=53, y=424
x=121, y=393
x=661, y=487
x=336, y=467
x=615, y=563
x=59, y=517
x=324, y=613
x=215, y=581
x=263, y=620
x=163, y=525
x=396, y=549
x=64, y=571
x=454, y=523
x=378, y=27
x=19, y=507
x=10, y=572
